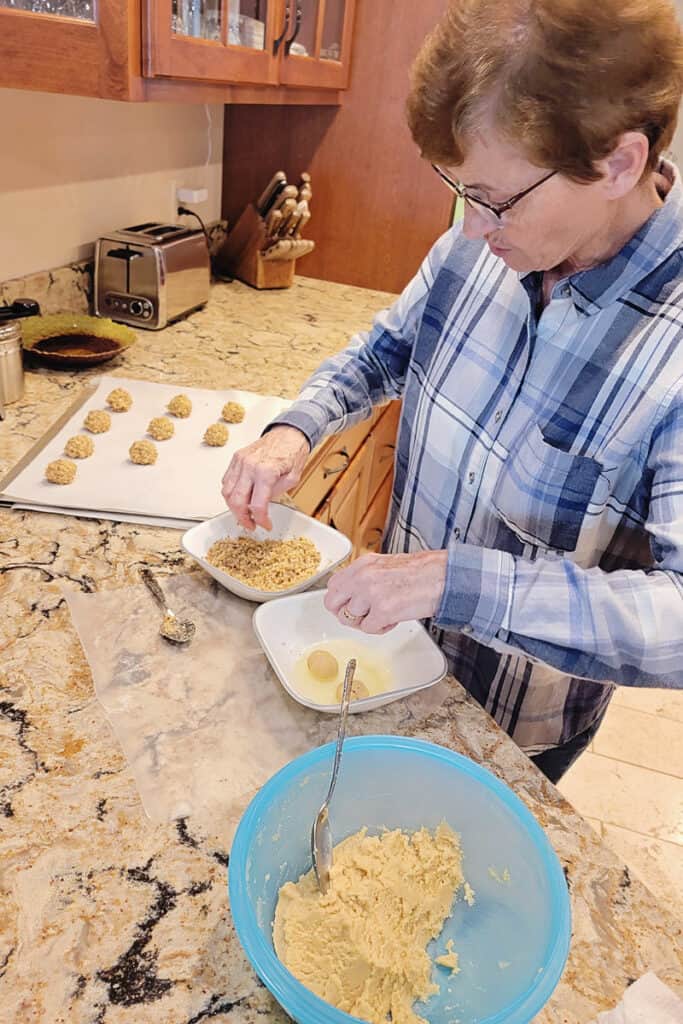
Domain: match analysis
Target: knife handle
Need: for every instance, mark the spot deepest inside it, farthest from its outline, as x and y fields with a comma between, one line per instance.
x=287, y=209
x=273, y=220
x=270, y=193
x=303, y=221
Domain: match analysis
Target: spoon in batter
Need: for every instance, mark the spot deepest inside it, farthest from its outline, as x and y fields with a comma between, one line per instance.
x=321, y=833
x=177, y=631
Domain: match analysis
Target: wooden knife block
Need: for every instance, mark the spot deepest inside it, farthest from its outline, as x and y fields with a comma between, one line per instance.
x=241, y=256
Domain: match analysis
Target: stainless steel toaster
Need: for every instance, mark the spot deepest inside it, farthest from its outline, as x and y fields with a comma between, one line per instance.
x=150, y=274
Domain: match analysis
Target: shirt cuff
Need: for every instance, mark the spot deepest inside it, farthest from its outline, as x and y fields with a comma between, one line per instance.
x=306, y=417
x=478, y=592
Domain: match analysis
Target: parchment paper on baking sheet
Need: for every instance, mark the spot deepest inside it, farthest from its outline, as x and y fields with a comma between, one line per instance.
x=185, y=481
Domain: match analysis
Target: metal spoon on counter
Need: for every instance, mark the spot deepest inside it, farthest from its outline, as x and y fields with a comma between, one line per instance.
x=321, y=833
x=177, y=631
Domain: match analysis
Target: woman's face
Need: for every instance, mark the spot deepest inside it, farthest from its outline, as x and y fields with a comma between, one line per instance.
x=553, y=224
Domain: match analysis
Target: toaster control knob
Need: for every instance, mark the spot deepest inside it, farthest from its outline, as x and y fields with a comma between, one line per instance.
x=136, y=307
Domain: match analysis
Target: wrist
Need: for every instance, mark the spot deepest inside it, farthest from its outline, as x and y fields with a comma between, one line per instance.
x=434, y=569
x=295, y=437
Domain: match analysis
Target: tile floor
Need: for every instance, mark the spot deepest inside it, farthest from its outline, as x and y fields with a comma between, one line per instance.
x=629, y=785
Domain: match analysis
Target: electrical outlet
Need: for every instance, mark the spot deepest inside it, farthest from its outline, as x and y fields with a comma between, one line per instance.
x=192, y=195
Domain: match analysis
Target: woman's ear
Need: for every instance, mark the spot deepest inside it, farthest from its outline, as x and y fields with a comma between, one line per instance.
x=623, y=168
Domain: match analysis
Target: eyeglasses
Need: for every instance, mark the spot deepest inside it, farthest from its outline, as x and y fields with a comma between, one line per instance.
x=493, y=211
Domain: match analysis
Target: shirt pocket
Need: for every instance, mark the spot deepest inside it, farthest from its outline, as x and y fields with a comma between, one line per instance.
x=543, y=493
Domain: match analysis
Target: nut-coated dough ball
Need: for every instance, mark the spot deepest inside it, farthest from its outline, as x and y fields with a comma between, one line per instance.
x=97, y=421
x=180, y=406
x=233, y=412
x=216, y=435
x=161, y=428
x=79, y=447
x=61, y=471
x=119, y=400
x=143, y=453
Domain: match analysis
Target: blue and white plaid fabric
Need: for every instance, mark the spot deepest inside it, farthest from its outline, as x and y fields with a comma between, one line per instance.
x=547, y=457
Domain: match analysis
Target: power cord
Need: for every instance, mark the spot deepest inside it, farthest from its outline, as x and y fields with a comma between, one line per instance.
x=184, y=212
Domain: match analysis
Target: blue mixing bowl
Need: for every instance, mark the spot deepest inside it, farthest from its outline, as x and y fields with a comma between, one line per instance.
x=513, y=943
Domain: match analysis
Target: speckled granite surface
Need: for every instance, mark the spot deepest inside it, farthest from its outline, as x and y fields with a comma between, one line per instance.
x=108, y=919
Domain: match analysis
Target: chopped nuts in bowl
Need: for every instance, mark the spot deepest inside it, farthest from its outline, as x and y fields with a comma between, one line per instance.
x=295, y=555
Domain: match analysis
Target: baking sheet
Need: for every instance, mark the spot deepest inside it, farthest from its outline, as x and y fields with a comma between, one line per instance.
x=204, y=726
x=184, y=483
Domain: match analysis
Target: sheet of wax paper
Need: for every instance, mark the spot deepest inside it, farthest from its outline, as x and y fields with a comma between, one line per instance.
x=204, y=726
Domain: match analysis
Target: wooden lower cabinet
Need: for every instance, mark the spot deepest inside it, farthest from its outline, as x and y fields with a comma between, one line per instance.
x=347, y=483
x=371, y=528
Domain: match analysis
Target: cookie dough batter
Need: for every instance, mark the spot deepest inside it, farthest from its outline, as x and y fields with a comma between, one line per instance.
x=97, y=421
x=361, y=947
x=79, y=447
x=449, y=959
x=143, y=453
x=119, y=400
x=180, y=406
x=161, y=428
x=216, y=435
x=61, y=471
x=233, y=412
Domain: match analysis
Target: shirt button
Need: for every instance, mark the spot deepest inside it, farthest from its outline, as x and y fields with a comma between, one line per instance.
x=456, y=533
x=467, y=629
x=499, y=415
x=565, y=291
x=471, y=477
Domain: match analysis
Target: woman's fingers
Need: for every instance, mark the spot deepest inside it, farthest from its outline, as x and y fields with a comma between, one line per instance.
x=262, y=492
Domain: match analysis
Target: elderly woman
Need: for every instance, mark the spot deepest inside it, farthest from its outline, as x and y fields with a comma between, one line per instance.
x=537, y=512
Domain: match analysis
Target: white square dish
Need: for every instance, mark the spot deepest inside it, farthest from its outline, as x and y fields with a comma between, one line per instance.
x=286, y=628
x=333, y=546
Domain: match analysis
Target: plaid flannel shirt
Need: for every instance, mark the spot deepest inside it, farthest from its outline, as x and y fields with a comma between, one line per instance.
x=546, y=455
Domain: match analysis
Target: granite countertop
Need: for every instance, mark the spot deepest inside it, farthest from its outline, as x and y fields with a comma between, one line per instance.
x=106, y=918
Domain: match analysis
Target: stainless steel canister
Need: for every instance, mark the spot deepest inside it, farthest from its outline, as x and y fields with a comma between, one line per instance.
x=11, y=365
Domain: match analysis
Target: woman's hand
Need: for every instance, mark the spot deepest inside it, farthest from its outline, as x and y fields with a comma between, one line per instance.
x=378, y=591
x=262, y=471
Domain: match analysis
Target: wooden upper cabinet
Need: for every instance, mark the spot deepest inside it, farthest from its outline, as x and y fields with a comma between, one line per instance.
x=298, y=43
x=230, y=51
x=85, y=47
x=317, y=49
x=228, y=41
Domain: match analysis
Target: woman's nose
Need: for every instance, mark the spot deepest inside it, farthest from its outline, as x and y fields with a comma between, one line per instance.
x=475, y=223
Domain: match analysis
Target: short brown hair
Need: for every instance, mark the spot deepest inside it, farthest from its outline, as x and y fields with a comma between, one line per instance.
x=565, y=78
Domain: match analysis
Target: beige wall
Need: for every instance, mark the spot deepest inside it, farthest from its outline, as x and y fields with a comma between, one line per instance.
x=72, y=169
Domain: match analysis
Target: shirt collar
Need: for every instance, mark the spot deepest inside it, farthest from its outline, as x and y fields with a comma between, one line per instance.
x=660, y=236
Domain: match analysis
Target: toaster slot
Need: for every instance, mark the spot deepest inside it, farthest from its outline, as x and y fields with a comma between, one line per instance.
x=127, y=255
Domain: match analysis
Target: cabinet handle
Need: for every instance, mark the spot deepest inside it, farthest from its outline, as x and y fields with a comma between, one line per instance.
x=280, y=39
x=370, y=544
x=332, y=470
x=389, y=450
x=297, y=25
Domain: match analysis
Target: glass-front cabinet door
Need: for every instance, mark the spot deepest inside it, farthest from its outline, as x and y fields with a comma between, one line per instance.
x=80, y=10
x=212, y=40
x=316, y=47
x=66, y=46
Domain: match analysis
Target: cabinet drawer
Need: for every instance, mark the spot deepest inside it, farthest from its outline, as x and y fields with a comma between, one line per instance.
x=371, y=528
x=345, y=501
x=327, y=464
x=383, y=447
